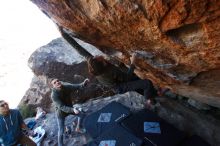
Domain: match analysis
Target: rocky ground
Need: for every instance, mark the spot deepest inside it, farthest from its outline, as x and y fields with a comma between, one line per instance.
x=170, y=108
x=132, y=100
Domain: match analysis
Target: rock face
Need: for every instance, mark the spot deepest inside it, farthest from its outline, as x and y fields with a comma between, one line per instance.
x=190, y=119
x=59, y=60
x=178, y=41
x=38, y=94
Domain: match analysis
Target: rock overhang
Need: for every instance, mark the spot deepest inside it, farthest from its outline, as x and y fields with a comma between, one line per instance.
x=177, y=41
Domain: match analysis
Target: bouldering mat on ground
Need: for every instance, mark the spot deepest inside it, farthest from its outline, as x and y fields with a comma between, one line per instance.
x=152, y=129
x=117, y=136
x=106, y=118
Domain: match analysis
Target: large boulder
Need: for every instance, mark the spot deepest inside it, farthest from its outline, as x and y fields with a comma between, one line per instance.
x=177, y=41
x=59, y=60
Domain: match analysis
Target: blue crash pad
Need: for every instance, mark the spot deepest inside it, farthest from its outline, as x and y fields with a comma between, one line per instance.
x=117, y=136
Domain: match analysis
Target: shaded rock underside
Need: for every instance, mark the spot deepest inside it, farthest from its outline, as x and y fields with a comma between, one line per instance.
x=177, y=41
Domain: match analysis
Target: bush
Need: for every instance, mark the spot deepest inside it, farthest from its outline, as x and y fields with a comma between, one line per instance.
x=26, y=111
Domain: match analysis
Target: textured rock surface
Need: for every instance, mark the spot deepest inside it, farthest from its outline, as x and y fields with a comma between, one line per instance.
x=38, y=94
x=178, y=41
x=132, y=100
x=59, y=60
x=190, y=120
x=58, y=56
x=170, y=110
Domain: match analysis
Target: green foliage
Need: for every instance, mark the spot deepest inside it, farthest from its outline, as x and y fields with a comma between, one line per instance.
x=26, y=111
